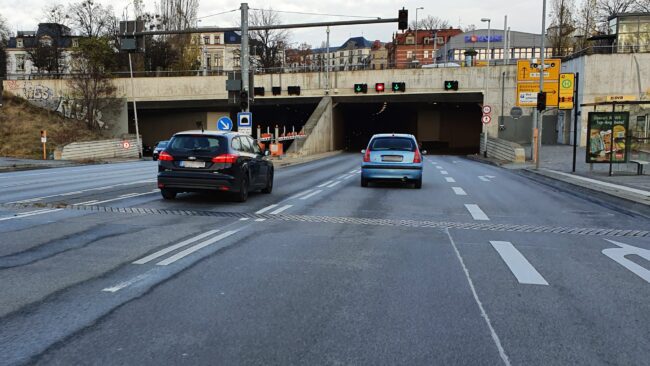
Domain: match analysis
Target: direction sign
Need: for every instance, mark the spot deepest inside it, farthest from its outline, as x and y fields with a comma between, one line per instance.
x=567, y=85
x=529, y=70
x=224, y=124
x=516, y=112
x=486, y=119
x=244, y=119
x=527, y=94
x=487, y=109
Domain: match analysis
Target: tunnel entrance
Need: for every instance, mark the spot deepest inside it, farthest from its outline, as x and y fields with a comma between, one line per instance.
x=441, y=127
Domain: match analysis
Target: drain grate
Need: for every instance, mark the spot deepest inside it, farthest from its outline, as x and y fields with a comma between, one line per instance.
x=354, y=220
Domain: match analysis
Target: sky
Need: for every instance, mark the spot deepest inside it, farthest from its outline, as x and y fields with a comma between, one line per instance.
x=523, y=15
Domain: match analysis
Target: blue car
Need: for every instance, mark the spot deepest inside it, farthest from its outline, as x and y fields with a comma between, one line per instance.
x=392, y=157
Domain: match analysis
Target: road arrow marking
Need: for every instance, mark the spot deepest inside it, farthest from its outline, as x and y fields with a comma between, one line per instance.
x=618, y=255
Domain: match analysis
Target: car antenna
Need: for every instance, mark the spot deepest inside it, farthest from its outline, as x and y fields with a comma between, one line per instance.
x=200, y=124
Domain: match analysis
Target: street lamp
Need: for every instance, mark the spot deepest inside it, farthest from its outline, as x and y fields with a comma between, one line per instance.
x=416, y=32
x=487, y=74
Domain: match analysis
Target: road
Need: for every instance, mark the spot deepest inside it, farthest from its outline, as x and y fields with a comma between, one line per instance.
x=481, y=266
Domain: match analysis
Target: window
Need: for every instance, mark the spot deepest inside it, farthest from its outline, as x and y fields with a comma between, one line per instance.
x=409, y=54
x=246, y=145
x=426, y=40
x=341, y=54
x=206, y=40
x=208, y=63
x=256, y=147
x=19, y=43
x=46, y=41
x=410, y=40
x=440, y=40
x=217, y=39
x=358, y=52
x=236, y=144
x=198, y=143
x=426, y=54
x=20, y=62
x=392, y=143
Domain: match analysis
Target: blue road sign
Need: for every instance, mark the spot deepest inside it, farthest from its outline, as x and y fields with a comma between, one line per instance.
x=244, y=119
x=224, y=124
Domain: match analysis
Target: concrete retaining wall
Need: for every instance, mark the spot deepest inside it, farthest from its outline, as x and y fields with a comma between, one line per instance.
x=504, y=150
x=103, y=149
x=319, y=131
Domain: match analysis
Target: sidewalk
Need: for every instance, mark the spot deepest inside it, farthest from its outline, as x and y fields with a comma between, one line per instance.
x=591, y=182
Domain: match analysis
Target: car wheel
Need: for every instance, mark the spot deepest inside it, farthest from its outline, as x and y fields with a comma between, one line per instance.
x=269, y=183
x=242, y=195
x=364, y=182
x=168, y=194
x=418, y=183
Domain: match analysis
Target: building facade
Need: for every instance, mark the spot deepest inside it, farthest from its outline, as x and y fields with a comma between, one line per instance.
x=416, y=48
x=630, y=32
x=378, y=56
x=220, y=51
x=353, y=54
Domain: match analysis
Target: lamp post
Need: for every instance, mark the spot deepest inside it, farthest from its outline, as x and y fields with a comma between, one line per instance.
x=487, y=74
x=416, y=32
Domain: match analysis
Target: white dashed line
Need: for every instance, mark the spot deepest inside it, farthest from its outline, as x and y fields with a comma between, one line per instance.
x=124, y=284
x=476, y=212
x=450, y=180
x=312, y=194
x=324, y=184
x=244, y=219
x=301, y=193
x=438, y=167
x=123, y=197
x=334, y=184
x=195, y=248
x=281, y=209
x=260, y=220
x=266, y=209
x=342, y=176
x=459, y=191
x=518, y=264
x=174, y=247
x=443, y=172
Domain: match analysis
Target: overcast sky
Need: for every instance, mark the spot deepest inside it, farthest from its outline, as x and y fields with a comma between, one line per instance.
x=523, y=15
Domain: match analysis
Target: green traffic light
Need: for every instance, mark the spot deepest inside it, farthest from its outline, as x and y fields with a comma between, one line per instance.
x=396, y=87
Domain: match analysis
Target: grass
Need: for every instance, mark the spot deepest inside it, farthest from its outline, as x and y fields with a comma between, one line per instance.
x=21, y=124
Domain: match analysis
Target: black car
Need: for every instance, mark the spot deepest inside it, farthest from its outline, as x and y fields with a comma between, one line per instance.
x=212, y=161
x=160, y=146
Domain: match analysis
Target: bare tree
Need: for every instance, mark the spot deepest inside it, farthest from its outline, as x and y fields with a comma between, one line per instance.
x=4, y=38
x=560, y=32
x=177, y=14
x=56, y=13
x=586, y=22
x=469, y=28
x=268, y=44
x=92, y=19
x=431, y=23
x=607, y=8
x=643, y=6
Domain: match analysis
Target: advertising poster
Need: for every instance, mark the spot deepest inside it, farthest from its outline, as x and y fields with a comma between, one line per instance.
x=602, y=129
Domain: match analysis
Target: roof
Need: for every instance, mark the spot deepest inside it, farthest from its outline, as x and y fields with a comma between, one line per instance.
x=57, y=32
x=393, y=135
x=633, y=14
x=355, y=42
x=208, y=132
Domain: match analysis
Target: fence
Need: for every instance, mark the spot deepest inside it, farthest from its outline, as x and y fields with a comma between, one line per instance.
x=504, y=150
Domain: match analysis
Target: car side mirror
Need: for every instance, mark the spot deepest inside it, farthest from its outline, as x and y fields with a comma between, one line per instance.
x=267, y=153
x=363, y=151
x=424, y=152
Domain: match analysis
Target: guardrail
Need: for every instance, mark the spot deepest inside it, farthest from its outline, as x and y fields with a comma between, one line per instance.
x=504, y=150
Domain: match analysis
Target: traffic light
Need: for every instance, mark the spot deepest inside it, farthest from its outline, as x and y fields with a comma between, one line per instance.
x=451, y=85
x=360, y=88
x=380, y=87
x=541, y=101
x=243, y=100
x=402, y=19
x=293, y=90
x=399, y=87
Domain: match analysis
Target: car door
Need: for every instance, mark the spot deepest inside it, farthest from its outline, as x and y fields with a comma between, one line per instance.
x=262, y=163
x=253, y=164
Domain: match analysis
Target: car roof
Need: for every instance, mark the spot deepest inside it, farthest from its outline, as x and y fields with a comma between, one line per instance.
x=210, y=133
x=393, y=135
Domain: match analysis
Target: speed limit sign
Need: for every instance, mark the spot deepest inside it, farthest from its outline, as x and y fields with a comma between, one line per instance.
x=486, y=119
x=487, y=109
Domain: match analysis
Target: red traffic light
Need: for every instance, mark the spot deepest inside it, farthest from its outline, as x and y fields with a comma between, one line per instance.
x=379, y=87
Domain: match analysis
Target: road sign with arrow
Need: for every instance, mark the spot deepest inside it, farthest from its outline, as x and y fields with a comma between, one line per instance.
x=527, y=94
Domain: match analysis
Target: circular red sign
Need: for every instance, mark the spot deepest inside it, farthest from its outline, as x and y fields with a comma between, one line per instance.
x=486, y=119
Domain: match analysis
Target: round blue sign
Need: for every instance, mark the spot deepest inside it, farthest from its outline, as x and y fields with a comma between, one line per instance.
x=224, y=124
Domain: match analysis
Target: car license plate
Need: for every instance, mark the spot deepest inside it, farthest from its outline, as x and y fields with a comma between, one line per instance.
x=193, y=164
x=392, y=158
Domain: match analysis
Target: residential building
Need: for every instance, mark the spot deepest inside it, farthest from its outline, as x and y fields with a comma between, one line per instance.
x=413, y=49
x=57, y=36
x=630, y=32
x=220, y=51
x=353, y=54
x=378, y=56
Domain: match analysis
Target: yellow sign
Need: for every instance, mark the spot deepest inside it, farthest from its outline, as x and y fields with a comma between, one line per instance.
x=527, y=94
x=480, y=63
x=620, y=98
x=567, y=86
x=529, y=70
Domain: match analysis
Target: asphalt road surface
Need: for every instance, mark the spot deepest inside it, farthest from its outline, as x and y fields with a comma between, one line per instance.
x=481, y=266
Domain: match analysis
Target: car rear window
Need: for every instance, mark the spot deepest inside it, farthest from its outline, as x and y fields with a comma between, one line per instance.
x=392, y=143
x=162, y=144
x=198, y=143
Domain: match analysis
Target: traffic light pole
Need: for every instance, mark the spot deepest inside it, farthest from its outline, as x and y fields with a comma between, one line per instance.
x=540, y=120
x=245, y=55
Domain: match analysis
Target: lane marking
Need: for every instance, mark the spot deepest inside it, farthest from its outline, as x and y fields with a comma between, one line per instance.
x=30, y=213
x=260, y=220
x=266, y=209
x=194, y=248
x=518, y=264
x=124, y=284
x=301, y=193
x=618, y=255
x=162, y=252
x=450, y=180
x=121, y=198
x=334, y=184
x=91, y=189
x=476, y=212
x=324, y=184
x=244, y=219
x=459, y=191
x=485, y=179
x=71, y=193
x=281, y=209
x=342, y=176
x=443, y=172
x=438, y=167
x=313, y=193
x=347, y=177
x=84, y=203
x=493, y=333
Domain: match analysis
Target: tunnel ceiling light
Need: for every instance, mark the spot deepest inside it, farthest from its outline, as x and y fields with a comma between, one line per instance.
x=383, y=108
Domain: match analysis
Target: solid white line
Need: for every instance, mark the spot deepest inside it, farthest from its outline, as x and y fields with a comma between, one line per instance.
x=312, y=194
x=450, y=180
x=266, y=209
x=92, y=189
x=30, y=200
x=334, y=184
x=353, y=171
x=174, y=247
x=476, y=212
x=324, y=184
x=347, y=177
x=84, y=203
x=518, y=264
x=459, y=191
x=493, y=333
x=342, y=176
x=30, y=213
x=128, y=195
x=301, y=193
x=193, y=249
x=121, y=198
x=124, y=284
x=281, y=209
x=443, y=172
x=71, y=193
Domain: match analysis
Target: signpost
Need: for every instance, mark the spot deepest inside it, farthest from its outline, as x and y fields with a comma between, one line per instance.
x=486, y=119
x=224, y=124
x=44, y=141
x=245, y=123
x=527, y=94
x=566, y=87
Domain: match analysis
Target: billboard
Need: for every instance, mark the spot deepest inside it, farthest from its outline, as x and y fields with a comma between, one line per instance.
x=607, y=137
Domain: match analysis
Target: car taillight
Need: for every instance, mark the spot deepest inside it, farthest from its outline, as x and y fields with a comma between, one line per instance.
x=164, y=156
x=226, y=159
x=417, y=158
x=366, y=156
